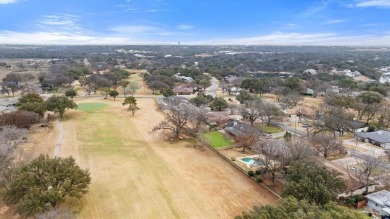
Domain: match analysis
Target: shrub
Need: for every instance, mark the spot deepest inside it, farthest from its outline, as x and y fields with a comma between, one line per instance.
x=287, y=136
x=20, y=119
x=259, y=180
x=371, y=128
x=258, y=172
x=251, y=173
x=349, y=201
x=358, y=198
x=353, y=199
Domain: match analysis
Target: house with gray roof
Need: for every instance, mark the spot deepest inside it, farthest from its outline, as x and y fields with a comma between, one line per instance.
x=379, y=138
x=380, y=202
x=357, y=126
x=238, y=128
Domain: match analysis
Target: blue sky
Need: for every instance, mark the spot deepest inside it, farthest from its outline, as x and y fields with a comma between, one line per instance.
x=206, y=22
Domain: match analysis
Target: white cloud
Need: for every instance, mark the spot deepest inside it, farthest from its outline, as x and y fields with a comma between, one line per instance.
x=314, y=9
x=276, y=38
x=140, y=30
x=373, y=3
x=320, y=39
x=185, y=27
x=292, y=25
x=67, y=38
x=334, y=21
x=59, y=21
x=7, y=1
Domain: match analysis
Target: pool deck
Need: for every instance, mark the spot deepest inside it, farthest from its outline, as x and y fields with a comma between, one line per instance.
x=249, y=165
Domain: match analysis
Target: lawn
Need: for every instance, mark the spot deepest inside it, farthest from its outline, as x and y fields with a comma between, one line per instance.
x=91, y=107
x=216, y=139
x=346, y=136
x=270, y=129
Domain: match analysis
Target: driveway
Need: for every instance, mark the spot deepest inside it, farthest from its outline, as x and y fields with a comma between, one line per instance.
x=367, y=148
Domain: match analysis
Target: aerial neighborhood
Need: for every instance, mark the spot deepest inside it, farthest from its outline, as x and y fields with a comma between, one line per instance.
x=178, y=109
x=313, y=137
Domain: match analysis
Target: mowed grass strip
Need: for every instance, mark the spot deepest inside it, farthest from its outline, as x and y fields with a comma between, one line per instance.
x=270, y=129
x=91, y=107
x=216, y=139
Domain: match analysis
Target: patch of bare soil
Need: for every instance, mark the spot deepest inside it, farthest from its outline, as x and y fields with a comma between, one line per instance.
x=7, y=212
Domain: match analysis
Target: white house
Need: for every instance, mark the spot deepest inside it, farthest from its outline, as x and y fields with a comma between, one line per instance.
x=357, y=126
x=184, y=78
x=384, y=78
x=380, y=202
x=333, y=90
x=311, y=71
x=234, y=91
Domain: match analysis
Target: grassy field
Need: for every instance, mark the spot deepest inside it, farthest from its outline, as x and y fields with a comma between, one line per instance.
x=346, y=136
x=91, y=107
x=137, y=174
x=136, y=77
x=216, y=139
x=270, y=129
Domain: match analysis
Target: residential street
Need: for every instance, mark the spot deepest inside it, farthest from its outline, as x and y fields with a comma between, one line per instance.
x=212, y=90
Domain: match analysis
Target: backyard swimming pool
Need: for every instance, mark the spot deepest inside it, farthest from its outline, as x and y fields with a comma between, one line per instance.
x=253, y=161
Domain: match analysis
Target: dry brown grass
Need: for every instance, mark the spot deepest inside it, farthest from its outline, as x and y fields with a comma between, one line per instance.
x=136, y=174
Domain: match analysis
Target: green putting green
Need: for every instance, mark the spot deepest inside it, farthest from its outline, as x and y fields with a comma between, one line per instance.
x=91, y=107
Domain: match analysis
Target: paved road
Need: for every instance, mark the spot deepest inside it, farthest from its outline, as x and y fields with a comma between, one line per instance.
x=363, y=156
x=290, y=129
x=352, y=152
x=212, y=90
x=370, y=150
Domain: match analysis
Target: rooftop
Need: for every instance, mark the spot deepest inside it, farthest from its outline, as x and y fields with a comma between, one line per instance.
x=183, y=88
x=356, y=124
x=382, y=197
x=378, y=136
x=240, y=128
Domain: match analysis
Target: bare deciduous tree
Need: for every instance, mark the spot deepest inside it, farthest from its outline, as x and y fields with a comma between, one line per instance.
x=301, y=111
x=10, y=152
x=270, y=152
x=233, y=108
x=252, y=110
x=300, y=149
x=89, y=89
x=327, y=145
x=271, y=112
x=248, y=139
x=292, y=99
x=363, y=170
x=199, y=117
x=177, y=117
x=334, y=120
x=132, y=87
